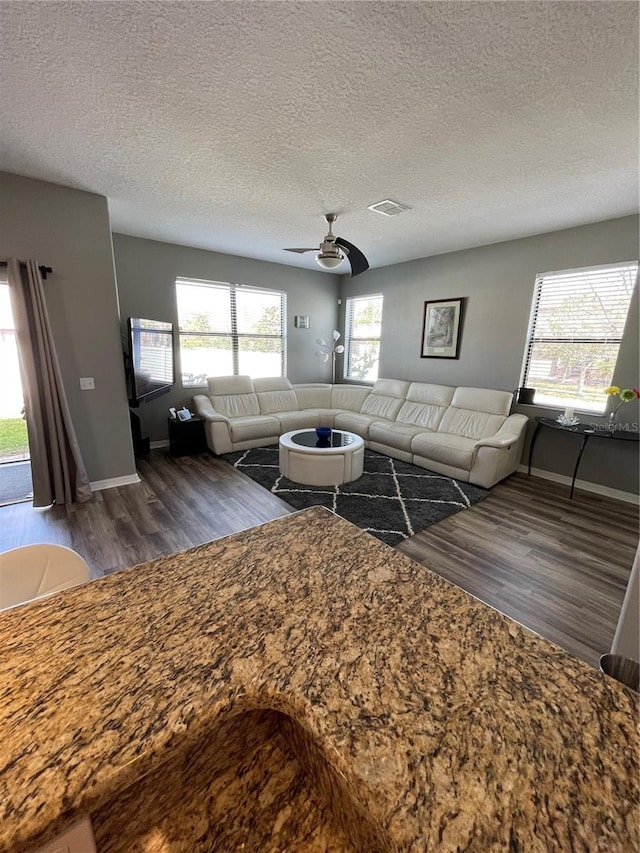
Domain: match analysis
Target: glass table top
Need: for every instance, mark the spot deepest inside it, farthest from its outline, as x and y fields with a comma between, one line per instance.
x=308, y=438
x=597, y=430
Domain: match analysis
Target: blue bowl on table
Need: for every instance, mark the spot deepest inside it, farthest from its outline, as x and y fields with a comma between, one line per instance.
x=323, y=433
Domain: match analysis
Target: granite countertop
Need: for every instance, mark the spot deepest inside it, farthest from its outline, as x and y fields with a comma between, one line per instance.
x=421, y=718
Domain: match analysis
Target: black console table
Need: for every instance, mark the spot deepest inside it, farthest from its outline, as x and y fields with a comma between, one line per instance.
x=587, y=432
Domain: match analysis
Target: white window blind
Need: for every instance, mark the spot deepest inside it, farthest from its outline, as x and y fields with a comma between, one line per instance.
x=229, y=329
x=576, y=326
x=363, y=325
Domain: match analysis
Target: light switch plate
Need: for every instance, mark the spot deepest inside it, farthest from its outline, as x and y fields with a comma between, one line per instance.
x=87, y=383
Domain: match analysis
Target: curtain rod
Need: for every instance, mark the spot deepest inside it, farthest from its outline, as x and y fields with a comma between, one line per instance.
x=43, y=270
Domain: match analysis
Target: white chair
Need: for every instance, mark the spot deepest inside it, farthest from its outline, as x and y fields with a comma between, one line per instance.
x=32, y=571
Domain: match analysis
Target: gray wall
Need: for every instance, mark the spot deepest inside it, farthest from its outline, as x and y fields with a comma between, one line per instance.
x=146, y=273
x=497, y=282
x=69, y=230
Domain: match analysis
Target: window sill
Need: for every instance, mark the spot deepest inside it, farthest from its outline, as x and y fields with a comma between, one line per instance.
x=369, y=384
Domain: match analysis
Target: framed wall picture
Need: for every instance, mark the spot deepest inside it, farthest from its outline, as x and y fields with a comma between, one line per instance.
x=441, y=328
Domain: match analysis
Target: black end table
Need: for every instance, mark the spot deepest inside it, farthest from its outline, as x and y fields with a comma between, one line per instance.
x=587, y=431
x=187, y=438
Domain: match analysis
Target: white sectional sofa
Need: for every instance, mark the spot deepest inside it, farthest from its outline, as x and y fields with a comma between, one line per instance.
x=466, y=433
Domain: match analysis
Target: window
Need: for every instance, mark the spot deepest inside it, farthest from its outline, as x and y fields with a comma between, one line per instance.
x=229, y=329
x=363, y=324
x=577, y=321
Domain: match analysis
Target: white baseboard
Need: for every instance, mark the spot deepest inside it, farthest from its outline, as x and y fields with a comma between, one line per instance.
x=112, y=482
x=156, y=444
x=628, y=497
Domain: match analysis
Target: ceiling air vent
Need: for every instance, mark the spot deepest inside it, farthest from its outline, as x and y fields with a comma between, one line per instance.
x=388, y=207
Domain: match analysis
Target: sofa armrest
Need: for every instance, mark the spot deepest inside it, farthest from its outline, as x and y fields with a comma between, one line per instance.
x=496, y=457
x=510, y=432
x=206, y=411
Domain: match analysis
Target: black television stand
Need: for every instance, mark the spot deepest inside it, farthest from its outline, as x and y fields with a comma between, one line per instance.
x=140, y=445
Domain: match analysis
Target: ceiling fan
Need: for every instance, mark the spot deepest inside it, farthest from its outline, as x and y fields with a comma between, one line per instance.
x=333, y=250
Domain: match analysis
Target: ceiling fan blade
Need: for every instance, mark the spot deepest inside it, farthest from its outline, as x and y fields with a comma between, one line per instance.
x=300, y=251
x=355, y=257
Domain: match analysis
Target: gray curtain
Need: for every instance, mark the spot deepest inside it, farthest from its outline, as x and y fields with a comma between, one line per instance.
x=58, y=472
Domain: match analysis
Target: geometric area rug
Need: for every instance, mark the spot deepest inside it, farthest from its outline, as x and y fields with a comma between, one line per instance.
x=392, y=500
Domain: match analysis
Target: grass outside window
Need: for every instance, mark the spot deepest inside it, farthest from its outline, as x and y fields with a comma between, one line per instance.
x=13, y=438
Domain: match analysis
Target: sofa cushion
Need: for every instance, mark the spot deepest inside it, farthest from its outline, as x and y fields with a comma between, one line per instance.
x=224, y=385
x=483, y=400
x=313, y=396
x=355, y=422
x=349, y=397
x=253, y=427
x=306, y=419
x=470, y=424
x=448, y=449
x=275, y=394
x=385, y=399
x=476, y=412
x=425, y=405
x=236, y=405
x=233, y=396
x=393, y=434
x=326, y=417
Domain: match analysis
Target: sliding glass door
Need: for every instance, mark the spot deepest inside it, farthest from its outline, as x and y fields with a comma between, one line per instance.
x=15, y=468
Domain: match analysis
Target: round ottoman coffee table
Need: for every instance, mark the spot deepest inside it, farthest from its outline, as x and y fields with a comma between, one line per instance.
x=307, y=459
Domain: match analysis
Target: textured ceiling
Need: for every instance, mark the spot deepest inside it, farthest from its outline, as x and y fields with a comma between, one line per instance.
x=235, y=125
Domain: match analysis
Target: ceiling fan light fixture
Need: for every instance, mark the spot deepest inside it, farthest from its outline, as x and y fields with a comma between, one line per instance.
x=329, y=262
x=333, y=250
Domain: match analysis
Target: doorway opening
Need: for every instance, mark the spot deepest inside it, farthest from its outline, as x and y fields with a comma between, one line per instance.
x=15, y=466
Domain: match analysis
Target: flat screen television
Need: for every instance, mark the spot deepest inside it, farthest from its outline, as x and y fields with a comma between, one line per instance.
x=151, y=351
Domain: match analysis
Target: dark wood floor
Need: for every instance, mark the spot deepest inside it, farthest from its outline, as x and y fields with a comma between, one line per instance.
x=180, y=503
x=560, y=567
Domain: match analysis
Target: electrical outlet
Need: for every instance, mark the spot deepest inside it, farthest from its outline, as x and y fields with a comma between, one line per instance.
x=87, y=383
